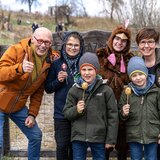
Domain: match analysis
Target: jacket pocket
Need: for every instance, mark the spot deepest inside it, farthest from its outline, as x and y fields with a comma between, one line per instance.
x=6, y=100
x=154, y=128
x=132, y=123
x=133, y=129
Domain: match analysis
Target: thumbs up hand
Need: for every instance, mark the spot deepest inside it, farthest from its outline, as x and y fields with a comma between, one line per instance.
x=27, y=65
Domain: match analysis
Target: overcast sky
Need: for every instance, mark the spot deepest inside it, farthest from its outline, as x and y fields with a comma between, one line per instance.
x=92, y=6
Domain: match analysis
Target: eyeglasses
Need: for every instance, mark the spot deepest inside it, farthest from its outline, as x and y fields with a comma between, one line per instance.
x=70, y=45
x=41, y=41
x=143, y=43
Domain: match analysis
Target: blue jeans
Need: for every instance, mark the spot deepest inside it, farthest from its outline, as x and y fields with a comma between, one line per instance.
x=62, y=129
x=136, y=151
x=33, y=134
x=2, y=120
x=158, y=152
x=80, y=150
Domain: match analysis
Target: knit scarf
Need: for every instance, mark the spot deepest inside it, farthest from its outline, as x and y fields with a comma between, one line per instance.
x=71, y=63
x=142, y=91
x=38, y=63
x=79, y=80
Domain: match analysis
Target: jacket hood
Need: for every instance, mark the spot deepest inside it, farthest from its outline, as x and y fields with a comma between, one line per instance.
x=79, y=80
x=65, y=38
x=120, y=29
x=72, y=62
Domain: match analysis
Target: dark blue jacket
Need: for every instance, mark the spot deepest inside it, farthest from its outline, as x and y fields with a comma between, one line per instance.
x=60, y=89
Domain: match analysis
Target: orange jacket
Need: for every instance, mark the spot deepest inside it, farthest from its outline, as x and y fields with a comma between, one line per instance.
x=16, y=86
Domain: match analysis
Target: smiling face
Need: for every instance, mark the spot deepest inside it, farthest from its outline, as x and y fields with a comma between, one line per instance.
x=139, y=79
x=41, y=40
x=119, y=44
x=147, y=40
x=72, y=46
x=88, y=73
x=147, y=47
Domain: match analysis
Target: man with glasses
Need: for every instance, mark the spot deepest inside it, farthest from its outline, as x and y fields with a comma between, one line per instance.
x=24, y=67
x=147, y=40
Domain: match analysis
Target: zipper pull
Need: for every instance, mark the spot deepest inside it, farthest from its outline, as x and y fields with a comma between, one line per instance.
x=142, y=100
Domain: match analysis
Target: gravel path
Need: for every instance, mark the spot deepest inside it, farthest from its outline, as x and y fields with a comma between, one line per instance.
x=45, y=121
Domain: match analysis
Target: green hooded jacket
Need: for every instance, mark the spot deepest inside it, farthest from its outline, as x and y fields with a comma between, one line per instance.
x=99, y=121
x=143, y=121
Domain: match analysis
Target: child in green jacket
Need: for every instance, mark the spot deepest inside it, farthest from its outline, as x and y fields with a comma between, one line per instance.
x=140, y=108
x=92, y=109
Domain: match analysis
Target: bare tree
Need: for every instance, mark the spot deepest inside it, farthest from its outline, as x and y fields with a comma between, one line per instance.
x=29, y=2
x=65, y=9
x=140, y=12
x=79, y=8
x=2, y=20
x=84, y=8
x=62, y=13
x=112, y=7
x=145, y=13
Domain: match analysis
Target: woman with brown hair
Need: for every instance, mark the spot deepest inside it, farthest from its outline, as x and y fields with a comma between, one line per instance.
x=147, y=40
x=113, y=61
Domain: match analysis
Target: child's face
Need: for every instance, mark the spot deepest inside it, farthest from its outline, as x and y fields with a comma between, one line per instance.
x=139, y=79
x=88, y=73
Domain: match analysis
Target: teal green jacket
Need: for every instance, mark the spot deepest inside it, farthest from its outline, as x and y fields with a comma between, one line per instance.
x=143, y=121
x=99, y=121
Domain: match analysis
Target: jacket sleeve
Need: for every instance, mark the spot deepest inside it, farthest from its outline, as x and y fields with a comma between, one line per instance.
x=158, y=100
x=52, y=84
x=112, y=118
x=122, y=102
x=11, y=64
x=35, y=101
x=70, y=108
